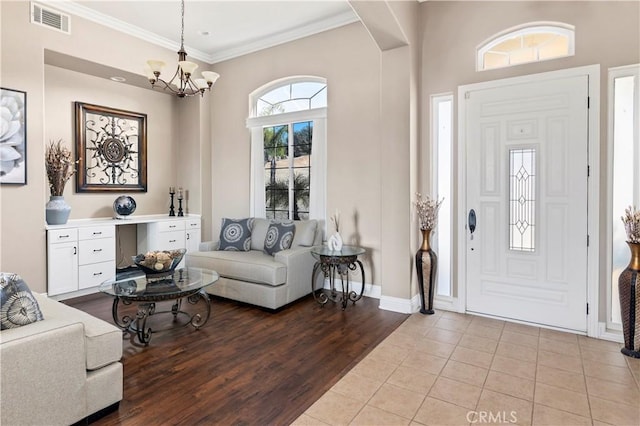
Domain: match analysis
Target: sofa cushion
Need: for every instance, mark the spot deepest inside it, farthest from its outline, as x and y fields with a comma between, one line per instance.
x=279, y=237
x=235, y=234
x=252, y=266
x=259, y=233
x=305, y=233
x=102, y=341
x=18, y=307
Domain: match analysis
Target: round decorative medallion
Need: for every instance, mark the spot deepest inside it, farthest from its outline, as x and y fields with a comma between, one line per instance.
x=113, y=150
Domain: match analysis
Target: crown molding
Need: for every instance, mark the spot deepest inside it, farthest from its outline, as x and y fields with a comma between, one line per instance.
x=81, y=11
x=285, y=37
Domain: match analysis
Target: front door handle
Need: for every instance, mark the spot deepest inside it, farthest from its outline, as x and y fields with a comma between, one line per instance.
x=472, y=221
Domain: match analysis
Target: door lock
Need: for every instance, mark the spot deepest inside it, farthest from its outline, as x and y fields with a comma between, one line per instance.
x=472, y=222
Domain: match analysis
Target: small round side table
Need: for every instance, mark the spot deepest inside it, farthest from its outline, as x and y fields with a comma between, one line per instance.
x=340, y=261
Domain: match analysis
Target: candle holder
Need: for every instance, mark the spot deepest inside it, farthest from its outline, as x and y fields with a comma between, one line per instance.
x=180, y=213
x=172, y=211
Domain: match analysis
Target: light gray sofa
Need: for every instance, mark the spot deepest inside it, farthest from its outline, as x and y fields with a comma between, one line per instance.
x=60, y=370
x=258, y=278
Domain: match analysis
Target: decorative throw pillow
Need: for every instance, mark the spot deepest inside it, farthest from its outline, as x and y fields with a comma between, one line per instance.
x=17, y=305
x=279, y=237
x=235, y=234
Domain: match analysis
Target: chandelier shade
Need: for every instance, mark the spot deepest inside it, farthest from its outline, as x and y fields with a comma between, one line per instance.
x=182, y=83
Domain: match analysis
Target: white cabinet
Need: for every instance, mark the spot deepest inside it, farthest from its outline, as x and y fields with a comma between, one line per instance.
x=170, y=234
x=97, y=255
x=82, y=253
x=79, y=258
x=62, y=261
x=193, y=235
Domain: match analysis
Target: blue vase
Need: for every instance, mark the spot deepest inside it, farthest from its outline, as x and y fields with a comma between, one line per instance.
x=57, y=210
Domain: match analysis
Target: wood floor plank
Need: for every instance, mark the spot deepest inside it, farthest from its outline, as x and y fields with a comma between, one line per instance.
x=246, y=366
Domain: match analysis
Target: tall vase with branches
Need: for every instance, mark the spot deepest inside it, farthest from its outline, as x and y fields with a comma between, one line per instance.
x=629, y=286
x=426, y=258
x=60, y=167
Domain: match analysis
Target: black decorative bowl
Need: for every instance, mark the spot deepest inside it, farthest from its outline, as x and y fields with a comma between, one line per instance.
x=159, y=264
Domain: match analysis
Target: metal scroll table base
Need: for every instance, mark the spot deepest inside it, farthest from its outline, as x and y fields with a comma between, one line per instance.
x=138, y=324
x=329, y=266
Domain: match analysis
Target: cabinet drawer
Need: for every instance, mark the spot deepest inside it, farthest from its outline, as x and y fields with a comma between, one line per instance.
x=93, y=275
x=94, y=251
x=192, y=223
x=172, y=225
x=62, y=235
x=93, y=232
x=171, y=240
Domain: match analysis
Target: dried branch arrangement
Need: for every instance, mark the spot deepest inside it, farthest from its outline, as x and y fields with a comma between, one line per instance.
x=631, y=220
x=60, y=166
x=427, y=210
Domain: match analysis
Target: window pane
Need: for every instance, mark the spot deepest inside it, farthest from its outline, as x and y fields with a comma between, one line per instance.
x=443, y=108
x=320, y=99
x=302, y=135
x=559, y=46
x=623, y=179
x=306, y=90
x=292, y=97
x=522, y=199
x=525, y=45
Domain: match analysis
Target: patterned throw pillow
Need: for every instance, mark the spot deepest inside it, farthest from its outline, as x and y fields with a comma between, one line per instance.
x=235, y=234
x=279, y=237
x=17, y=305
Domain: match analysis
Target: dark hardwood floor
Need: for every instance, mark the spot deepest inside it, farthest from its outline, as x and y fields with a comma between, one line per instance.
x=246, y=366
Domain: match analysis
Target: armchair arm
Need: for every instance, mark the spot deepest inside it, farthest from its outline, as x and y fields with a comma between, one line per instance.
x=209, y=245
x=43, y=373
x=299, y=263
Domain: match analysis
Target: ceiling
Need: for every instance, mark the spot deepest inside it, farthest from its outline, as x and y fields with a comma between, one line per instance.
x=215, y=30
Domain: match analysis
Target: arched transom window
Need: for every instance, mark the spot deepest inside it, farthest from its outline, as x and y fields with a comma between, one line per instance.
x=293, y=96
x=532, y=42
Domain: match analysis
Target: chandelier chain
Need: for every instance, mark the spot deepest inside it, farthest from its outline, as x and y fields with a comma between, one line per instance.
x=182, y=31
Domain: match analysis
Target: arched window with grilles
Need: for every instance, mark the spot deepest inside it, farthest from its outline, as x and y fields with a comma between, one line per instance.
x=532, y=42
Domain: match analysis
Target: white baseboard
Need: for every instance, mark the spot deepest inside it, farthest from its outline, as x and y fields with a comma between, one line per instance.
x=397, y=304
x=445, y=303
x=608, y=334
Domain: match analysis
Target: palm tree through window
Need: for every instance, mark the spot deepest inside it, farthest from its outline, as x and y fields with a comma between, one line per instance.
x=288, y=137
x=287, y=168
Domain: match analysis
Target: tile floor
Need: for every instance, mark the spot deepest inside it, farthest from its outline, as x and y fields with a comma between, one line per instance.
x=455, y=369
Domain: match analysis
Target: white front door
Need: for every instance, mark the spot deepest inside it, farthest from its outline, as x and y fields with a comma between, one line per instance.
x=526, y=181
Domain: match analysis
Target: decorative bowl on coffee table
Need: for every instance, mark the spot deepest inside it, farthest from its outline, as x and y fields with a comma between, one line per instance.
x=159, y=263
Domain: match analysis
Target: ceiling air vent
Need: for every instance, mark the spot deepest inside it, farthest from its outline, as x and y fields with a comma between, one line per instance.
x=50, y=18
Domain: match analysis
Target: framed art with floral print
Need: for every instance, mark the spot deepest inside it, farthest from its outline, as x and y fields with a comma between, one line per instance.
x=13, y=137
x=111, y=149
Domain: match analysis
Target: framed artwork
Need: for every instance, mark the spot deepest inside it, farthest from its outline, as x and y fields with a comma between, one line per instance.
x=111, y=149
x=13, y=137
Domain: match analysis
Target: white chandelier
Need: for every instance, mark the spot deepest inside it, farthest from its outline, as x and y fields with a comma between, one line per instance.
x=181, y=84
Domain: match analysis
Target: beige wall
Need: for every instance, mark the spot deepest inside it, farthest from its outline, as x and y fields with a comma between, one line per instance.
x=63, y=87
x=607, y=33
x=350, y=62
x=50, y=91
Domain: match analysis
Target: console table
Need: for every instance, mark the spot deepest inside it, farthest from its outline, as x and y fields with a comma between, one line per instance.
x=340, y=261
x=81, y=254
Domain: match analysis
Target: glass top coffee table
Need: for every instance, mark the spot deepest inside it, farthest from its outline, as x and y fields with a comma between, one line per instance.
x=187, y=283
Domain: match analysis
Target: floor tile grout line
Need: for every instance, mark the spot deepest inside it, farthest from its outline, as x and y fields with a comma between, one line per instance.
x=584, y=378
